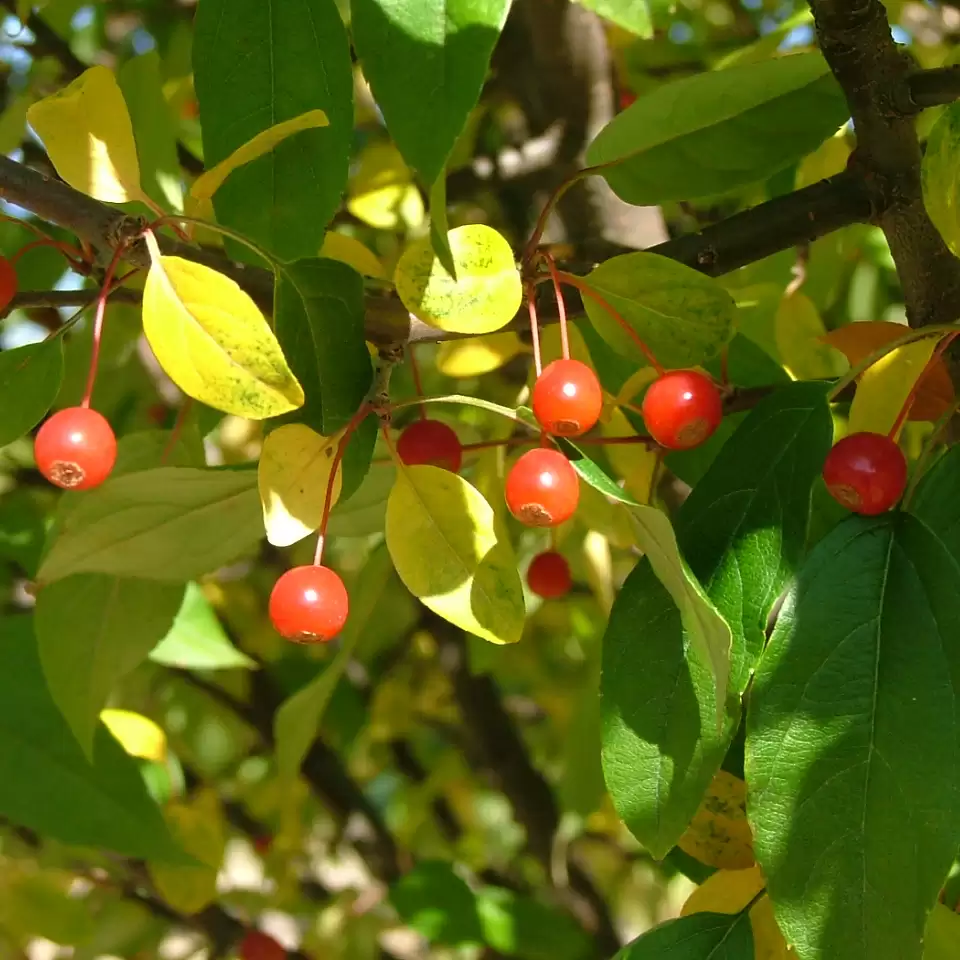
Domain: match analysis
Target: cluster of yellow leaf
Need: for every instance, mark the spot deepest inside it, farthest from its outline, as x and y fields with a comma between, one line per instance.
x=720, y=837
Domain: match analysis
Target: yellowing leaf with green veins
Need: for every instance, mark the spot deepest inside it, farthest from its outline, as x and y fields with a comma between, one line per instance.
x=198, y=825
x=719, y=834
x=478, y=355
x=382, y=193
x=442, y=539
x=213, y=341
x=137, y=734
x=349, y=250
x=634, y=463
x=207, y=184
x=88, y=135
x=486, y=294
x=798, y=329
x=730, y=891
x=887, y=384
x=292, y=477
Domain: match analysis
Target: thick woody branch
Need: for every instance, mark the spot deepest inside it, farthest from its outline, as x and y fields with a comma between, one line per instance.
x=878, y=78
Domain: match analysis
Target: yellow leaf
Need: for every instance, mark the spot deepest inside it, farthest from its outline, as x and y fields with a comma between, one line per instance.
x=207, y=184
x=719, y=834
x=382, y=193
x=635, y=383
x=292, y=477
x=88, y=134
x=442, y=538
x=478, y=355
x=486, y=294
x=137, y=734
x=198, y=825
x=729, y=891
x=799, y=331
x=551, y=346
x=885, y=386
x=634, y=463
x=606, y=517
x=348, y=250
x=829, y=159
x=213, y=341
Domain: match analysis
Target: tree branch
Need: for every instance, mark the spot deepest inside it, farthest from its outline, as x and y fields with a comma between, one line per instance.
x=877, y=78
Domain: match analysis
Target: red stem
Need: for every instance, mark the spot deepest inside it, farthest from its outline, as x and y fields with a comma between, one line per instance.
x=355, y=422
x=177, y=429
x=98, y=323
x=561, y=306
x=580, y=284
x=71, y=253
x=534, y=329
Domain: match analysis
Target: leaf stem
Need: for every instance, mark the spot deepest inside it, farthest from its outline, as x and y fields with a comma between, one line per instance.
x=98, y=321
x=572, y=280
x=534, y=328
x=529, y=251
x=177, y=429
x=417, y=381
x=172, y=218
x=561, y=306
x=355, y=422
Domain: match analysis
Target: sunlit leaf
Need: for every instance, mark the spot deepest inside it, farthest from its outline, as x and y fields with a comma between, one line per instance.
x=719, y=834
x=799, y=332
x=857, y=341
x=486, y=294
x=941, y=938
x=441, y=535
x=382, y=192
x=683, y=316
x=349, y=250
x=292, y=478
x=476, y=356
x=137, y=734
x=886, y=385
x=207, y=184
x=941, y=195
x=635, y=463
x=89, y=137
x=703, y=936
x=213, y=341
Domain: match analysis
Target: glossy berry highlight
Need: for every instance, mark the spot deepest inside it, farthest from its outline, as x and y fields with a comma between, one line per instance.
x=682, y=409
x=9, y=284
x=567, y=398
x=309, y=604
x=430, y=443
x=866, y=472
x=549, y=575
x=542, y=488
x=76, y=448
x=257, y=945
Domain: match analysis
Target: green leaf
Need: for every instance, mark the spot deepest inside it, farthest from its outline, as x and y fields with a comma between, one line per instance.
x=521, y=927
x=93, y=629
x=258, y=64
x=154, y=129
x=939, y=175
x=439, y=225
x=632, y=15
x=22, y=530
x=683, y=316
x=30, y=380
x=172, y=523
x=703, y=936
x=358, y=457
x=438, y=904
x=742, y=531
x=426, y=63
x=319, y=317
x=47, y=784
x=698, y=136
x=197, y=641
x=853, y=742
x=937, y=500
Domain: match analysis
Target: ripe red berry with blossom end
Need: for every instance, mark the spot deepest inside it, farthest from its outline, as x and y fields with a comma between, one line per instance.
x=567, y=399
x=866, y=472
x=542, y=489
x=430, y=443
x=257, y=945
x=681, y=409
x=309, y=604
x=548, y=575
x=9, y=283
x=76, y=448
